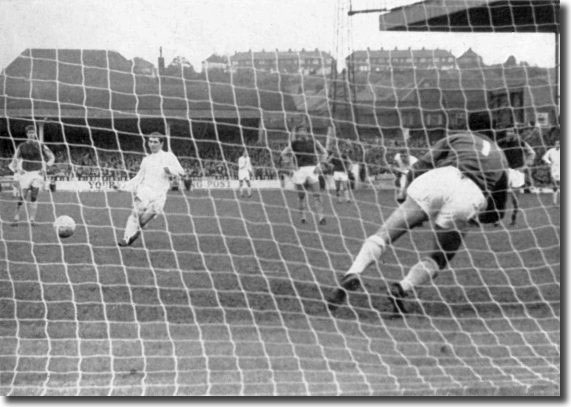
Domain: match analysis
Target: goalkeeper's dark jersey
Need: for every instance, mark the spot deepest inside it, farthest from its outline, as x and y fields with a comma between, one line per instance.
x=475, y=155
x=30, y=152
x=306, y=152
x=479, y=159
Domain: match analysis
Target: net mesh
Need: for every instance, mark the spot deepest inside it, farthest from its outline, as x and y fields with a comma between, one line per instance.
x=224, y=294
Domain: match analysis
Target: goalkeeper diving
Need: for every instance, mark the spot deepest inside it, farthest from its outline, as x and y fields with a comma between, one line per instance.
x=461, y=181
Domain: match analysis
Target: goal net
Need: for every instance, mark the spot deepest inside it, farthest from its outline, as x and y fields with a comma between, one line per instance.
x=224, y=294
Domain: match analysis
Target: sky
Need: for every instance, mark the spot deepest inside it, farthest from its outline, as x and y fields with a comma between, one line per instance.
x=195, y=29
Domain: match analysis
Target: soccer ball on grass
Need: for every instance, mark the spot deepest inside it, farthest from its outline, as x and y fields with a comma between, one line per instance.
x=64, y=226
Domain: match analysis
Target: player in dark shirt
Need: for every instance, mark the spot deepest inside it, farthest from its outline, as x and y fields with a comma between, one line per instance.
x=519, y=153
x=307, y=154
x=462, y=180
x=340, y=166
x=29, y=165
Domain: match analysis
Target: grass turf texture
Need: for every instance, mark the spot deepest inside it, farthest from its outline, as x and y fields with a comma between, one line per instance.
x=226, y=297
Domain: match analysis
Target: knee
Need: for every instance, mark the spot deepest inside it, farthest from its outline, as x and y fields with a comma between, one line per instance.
x=440, y=258
x=377, y=239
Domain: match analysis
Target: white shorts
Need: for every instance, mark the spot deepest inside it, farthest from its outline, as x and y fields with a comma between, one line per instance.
x=305, y=175
x=556, y=174
x=448, y=198
x=340, y=176
x=30, y=179
x=516, y=178
x=243, y=175
x=146, y=199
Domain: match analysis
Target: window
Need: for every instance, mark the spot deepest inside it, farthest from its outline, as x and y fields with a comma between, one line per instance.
x=542, y=119
x=457, y=120
x=408, y=119
x=433, y=119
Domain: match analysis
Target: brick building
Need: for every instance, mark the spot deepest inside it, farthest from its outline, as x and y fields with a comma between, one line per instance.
x=385, y=60
x=313, y=62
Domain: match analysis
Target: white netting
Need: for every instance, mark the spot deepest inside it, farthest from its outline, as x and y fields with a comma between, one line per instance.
x=226, y=295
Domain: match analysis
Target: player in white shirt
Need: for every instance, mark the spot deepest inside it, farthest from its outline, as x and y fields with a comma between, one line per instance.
x=150, y=187
x=553, y=158
x=403, y=162
x=245, y=172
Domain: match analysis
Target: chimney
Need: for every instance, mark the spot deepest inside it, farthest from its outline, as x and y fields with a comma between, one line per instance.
x=161, y=62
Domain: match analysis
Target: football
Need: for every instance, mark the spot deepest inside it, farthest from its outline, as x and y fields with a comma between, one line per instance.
x=64, y=226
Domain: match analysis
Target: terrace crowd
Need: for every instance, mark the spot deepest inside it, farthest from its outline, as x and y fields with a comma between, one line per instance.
x=219, y=160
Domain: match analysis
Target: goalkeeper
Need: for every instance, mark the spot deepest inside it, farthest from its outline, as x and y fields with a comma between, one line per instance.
x=150, y=187
x=462, y=180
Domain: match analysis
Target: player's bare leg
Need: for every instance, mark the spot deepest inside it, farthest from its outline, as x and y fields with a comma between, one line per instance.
x=301, y=202
x=408, y=215
x=34, y=192
x=515, y=203
x=136, y=222
x=249, y=188
x=338, y=190
x=21, y=201
x=345, y=189
x=315, y=189
x=555, y=193
x=241, y=187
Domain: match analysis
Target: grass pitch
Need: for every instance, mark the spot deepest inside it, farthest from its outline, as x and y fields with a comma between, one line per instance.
x=225, y=296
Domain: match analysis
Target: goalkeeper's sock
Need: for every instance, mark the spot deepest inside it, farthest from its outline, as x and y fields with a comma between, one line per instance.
x=419, y=274
x=371, y=251
x=131, y=228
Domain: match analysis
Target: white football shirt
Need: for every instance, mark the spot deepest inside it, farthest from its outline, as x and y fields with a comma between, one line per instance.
x=152, y=176
x=553, y=158
x=244, y=164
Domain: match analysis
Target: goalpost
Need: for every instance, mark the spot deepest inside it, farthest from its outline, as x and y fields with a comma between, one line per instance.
x=225, y=295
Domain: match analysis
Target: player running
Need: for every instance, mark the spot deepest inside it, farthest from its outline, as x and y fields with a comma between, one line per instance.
x=29, y=167
x=307, y=153
x=245, y=172
x=150, y=187
x=461, y=180
x=552, y=157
